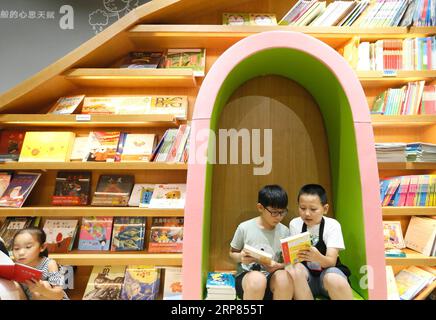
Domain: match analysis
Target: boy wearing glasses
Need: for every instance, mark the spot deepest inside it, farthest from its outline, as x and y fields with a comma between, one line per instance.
x=254, y=280
x=321, y=272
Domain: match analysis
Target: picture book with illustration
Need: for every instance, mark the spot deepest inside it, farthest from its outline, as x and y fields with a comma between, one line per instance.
x=293, y=244
x=128, y=234
x=72, y=188
x=105, y=283
x=168, y=196
x=102, y=146
x=16, y=271
x=11, y=142
x=141, y=283
x=113, y=190
x=19, y=189
x=95, y=233
x=60, y=235
x=66, y=105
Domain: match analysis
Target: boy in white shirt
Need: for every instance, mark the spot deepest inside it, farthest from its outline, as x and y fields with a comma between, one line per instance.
x=321, y=272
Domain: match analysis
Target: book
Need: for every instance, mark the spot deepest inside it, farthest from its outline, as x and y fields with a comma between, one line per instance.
x=166, y=238
x=19, y=189
x=5, y=179
x=262, y=256
x=256, y=19
x=236, y=19
x=172, y=105
x=141, y=195
x=411, y=281
x=392, y=288
x=80, y=148
x=138, y=147
x=60, y=234
x=220, y=285
x=47, y=146
x=95, y=233
x=113, y=190
x=393, y=235
x=420, y=234
x=72, y=188
x=105, y=283
x=173, y=283
x=102, y=146
x=394, y=252
x=16, y=271
x=11, y=142
x=168, y=196
x=128, y=234
x=67, y=105
x=194, y=59
x=12, y=225
x=292, y=245
x=141, y=283
x=143, y=60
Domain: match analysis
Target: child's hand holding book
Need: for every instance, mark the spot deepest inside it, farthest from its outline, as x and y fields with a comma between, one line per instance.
x=310, y=254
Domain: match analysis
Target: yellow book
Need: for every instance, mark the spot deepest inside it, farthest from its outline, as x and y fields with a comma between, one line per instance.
x=292, y=245
x=43, y=146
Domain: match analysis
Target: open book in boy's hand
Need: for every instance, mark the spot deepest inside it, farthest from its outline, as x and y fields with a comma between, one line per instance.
x=292, y=245
x=262, y=256
x=16, y=271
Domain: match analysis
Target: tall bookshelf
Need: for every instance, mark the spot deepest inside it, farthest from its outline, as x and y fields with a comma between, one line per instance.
x=159, y=25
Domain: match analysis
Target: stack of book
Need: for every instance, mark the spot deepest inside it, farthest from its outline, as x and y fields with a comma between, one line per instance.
x=421, y=152
x=220, y=286
x=390, y=152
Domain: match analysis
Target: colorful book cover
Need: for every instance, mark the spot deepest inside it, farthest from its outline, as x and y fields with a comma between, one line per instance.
x=54, y=146
x=16, y=271
x=411, y=281
x=165, y=145
x=99, y=105
x=173, y=105
x=11, y=142
x=5, y=178
x=292, y=245
x=173, y=284
x=66, y=105
x=178, y=144
x=102, y=146
x=95, y=233
x=105, y=283
x=194, y=59
x=60, y=235
x=141, y=283
x=166, y=239
x=143, y=60
x=141, y=195
x=19, y=189
x=220, y=280
x=12, y=225
x=168, y=196
x=128, y=234
x=393, y=235
x=138, y=147
x=113, y=190
x=117, y=105
x=72, y=188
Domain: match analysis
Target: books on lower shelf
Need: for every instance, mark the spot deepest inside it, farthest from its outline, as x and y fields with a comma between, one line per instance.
x=95, y=233
x=18, y=189
x=141, y=283
x=293, y=244
x=220, y=286
x=72, y=188
x=413, y=280
x=128, y=234
x=16, y=271
x=173, y=285
x=166, y=235
x=60, y=234
x=105, y=283
x=12, y=225
x=421, y=235
x=113, y=190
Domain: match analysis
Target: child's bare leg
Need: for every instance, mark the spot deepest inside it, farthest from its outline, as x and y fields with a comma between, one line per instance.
x=282, y=285
x=254, y=285
x=300, y=275
x=337, y=287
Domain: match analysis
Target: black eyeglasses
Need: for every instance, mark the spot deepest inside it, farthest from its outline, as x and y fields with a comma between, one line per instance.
x=277, y=213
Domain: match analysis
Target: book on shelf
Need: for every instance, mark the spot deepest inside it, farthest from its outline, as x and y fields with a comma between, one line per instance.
x=194, y=59
x=19, y=189
x=60, y=234
x=392, y=289
x=128, y=234
x=421, y=235
x=171, y=105
x=141, y=283
x=173, y=283
x=5, y=179
x=95, y=233
x=428, y=101
x=395, y=253
x=16, y=271
x=47, y=146
x=141, y=195
x=163, y=148
x=292, y=245
x=166, y=235
x=67, y=105
x=262, y=256
x=80, y=148
x=113, y=190
x=254, y=19
x=393, y=235
x=12, y=225
x=143, y=60
x=11, y=142
x=176, y=150
x=412, y=280
x=166, y=196
x=220, y=286
x=102, y=146
x=138, y=147
x=72, y=188
x=105, y=283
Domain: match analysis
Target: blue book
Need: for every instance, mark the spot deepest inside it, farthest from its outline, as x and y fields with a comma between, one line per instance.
x=220, y=280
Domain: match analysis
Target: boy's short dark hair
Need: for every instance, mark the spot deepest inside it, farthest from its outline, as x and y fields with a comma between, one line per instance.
x=314, y=190
x=273, y=196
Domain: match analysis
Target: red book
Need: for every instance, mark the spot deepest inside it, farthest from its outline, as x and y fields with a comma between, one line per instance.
x=11, y=142
x=16, y=271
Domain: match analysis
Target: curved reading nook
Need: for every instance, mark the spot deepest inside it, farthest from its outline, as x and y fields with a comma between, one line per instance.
x=333, y=146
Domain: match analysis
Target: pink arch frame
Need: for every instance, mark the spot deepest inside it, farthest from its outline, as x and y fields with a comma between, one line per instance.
x=196, y=181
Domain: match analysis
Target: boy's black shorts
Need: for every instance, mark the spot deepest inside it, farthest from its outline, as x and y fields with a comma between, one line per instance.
x=240, y=291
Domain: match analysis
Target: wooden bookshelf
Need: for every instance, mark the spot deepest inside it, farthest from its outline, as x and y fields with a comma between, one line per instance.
x=408, y=211
x=119, y=78
x=427, y=290
x=92, y=166
x=88, y=121
x=403, y=120
x=371, y=79
x=412, y=258
x=85, y=211
x=407, y=165
x=91, y=258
